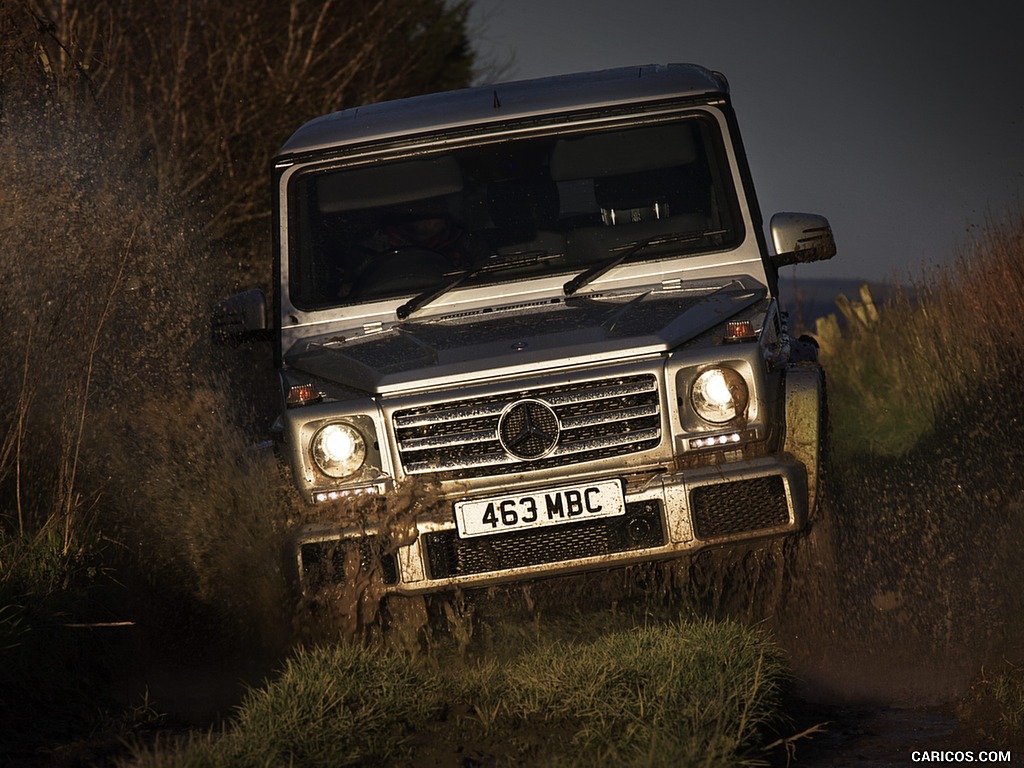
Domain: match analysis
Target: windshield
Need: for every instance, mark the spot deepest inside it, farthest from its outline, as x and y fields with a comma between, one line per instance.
x=571, y=202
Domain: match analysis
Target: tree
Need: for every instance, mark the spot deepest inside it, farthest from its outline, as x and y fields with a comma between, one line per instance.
x=207, y=91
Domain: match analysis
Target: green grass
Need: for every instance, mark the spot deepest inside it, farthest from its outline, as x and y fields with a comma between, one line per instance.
x=995, y=706
x=1008, y=691
x=680, y=694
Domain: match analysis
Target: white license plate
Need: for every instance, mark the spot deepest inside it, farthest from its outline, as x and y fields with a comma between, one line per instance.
x=536, y=509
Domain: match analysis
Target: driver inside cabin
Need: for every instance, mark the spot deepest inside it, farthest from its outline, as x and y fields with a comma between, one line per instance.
x=428, y=225
x=414, y=238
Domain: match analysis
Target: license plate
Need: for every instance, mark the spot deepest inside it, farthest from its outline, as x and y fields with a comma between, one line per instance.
x=536, y=509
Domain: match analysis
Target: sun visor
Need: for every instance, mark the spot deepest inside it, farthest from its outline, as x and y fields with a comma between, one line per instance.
x=389, y=184
x=622, y=152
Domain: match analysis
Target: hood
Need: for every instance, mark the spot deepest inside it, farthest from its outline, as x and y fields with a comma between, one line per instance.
x=506, y=341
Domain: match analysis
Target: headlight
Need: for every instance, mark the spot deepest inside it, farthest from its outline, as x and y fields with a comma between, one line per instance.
x=719, y=395
x=338, y=449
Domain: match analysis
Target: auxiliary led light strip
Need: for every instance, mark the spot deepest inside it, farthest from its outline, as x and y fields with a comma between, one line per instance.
x=723, y=441
x=323, y=496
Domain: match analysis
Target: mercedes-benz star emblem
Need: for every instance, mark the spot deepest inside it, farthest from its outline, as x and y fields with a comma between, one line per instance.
x=528, y=429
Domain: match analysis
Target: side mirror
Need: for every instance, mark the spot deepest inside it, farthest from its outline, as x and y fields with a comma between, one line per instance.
x=238, y=318
x=800, y=238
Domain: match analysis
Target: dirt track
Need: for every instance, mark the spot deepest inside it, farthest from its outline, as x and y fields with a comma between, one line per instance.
x=889, y=611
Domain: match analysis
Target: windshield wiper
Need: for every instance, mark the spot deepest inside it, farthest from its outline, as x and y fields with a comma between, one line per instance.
x=629, y=251
x=494, y=263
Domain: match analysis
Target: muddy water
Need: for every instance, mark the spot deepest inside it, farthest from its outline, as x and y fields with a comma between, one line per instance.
x=896, y=605
x=879, y=737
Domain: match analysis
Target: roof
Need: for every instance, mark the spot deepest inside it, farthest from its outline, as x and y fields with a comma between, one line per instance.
x=505, y=101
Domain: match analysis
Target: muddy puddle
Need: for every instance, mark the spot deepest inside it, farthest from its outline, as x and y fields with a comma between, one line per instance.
x=878, y=737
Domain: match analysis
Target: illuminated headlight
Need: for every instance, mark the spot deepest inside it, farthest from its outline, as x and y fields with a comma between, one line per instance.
x=338, y=450
x=719, y=395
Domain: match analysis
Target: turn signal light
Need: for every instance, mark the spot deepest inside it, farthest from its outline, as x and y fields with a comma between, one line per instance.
x=302, y=394
x=739, y=330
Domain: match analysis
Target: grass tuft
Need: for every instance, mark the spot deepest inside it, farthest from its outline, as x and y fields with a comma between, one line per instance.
x=681, y=694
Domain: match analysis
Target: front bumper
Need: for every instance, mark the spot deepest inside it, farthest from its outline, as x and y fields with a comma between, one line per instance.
x=670, y=515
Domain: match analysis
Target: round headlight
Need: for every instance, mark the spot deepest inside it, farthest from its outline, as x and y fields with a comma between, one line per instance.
x=338, y=450
x=719, y=395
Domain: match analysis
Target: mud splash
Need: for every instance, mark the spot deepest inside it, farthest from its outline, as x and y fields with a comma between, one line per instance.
x=926, y=584
x=344, y=600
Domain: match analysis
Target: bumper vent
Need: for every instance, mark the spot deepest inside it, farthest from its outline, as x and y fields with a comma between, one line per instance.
x=595, y=420
x=323, y=562
x=739, y=507
x=640, y=528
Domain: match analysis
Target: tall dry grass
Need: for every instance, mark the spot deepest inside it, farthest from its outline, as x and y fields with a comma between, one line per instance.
x=955, y=334
x=927, y=408
x=135, y=141
x=103, y=299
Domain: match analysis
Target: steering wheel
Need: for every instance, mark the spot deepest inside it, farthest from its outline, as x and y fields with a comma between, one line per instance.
x=405, y=270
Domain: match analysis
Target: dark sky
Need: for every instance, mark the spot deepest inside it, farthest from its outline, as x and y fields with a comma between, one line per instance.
x=902, y=122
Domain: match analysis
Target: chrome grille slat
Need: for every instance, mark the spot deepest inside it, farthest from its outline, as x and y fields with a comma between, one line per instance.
x=608, y=417
x=614, y=441
x=597, y=419
x=451, y=414
x=447, y=441
x=475, y=462
x=605, y=393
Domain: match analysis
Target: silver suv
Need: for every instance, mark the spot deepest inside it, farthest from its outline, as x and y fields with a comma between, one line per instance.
x=549, y=305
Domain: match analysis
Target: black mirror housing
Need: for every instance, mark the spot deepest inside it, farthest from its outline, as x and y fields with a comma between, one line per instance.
x=238, y=318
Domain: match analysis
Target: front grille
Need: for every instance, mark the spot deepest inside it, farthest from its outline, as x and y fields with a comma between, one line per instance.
x=323, y=562
x=595, y=420
x=640, y=528
x=739, y=507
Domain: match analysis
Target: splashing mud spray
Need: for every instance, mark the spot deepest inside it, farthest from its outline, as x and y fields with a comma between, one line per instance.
x=345, y=598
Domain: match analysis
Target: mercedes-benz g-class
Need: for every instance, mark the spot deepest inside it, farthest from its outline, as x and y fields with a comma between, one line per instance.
x=553, y=304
